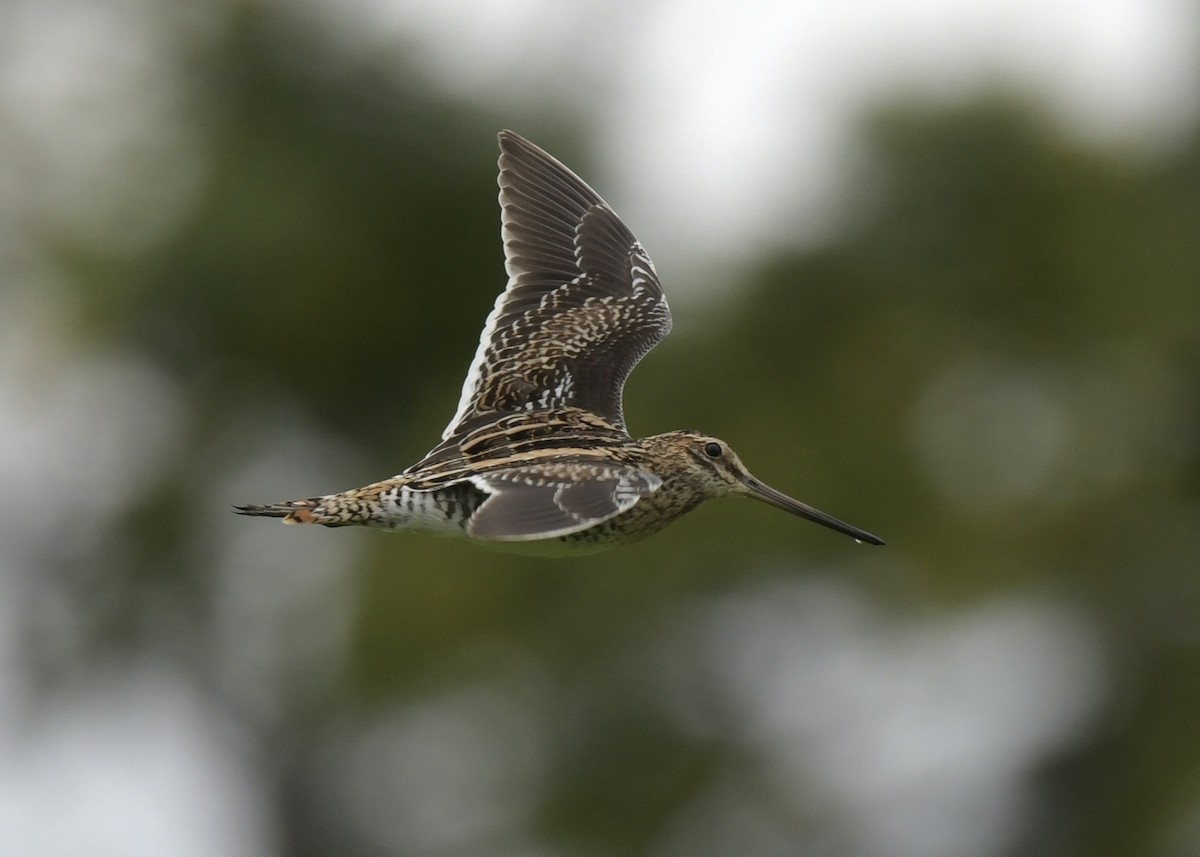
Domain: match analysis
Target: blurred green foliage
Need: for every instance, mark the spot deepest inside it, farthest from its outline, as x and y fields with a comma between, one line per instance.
x=340, y=261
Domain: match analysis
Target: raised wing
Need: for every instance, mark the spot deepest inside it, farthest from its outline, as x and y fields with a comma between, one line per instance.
x=582, y=306
x=547, y=500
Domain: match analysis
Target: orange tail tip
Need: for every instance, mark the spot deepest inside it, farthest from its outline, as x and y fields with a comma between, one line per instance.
x=300, y=516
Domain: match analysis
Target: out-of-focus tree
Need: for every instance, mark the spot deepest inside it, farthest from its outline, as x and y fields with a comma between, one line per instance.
x=994, y=366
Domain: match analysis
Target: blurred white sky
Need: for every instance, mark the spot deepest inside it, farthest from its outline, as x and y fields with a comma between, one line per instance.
x=720, y=128
x=715, y=130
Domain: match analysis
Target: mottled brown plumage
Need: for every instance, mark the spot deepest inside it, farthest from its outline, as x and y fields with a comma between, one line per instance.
x=536, y=457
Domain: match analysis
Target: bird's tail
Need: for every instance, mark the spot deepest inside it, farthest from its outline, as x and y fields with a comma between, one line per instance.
x=309, y=511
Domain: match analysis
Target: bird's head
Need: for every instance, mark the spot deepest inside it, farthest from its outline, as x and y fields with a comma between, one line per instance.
x=716, y=468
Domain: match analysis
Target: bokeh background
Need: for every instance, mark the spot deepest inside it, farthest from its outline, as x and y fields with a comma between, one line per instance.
x=935, y=269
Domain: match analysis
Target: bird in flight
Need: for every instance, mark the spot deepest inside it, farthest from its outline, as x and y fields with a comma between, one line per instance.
x=537, y=458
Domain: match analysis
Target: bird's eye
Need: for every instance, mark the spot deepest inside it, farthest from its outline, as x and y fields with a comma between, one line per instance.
x=712, y=449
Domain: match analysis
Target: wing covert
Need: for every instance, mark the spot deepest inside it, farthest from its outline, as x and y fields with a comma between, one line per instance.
x=543, y=501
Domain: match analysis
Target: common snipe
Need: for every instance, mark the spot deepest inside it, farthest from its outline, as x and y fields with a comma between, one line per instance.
x=537, y=457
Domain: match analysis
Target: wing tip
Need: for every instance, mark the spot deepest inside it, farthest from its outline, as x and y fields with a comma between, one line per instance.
x=511, y=144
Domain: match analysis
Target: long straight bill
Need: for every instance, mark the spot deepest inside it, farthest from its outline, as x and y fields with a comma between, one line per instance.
x=761, y=491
